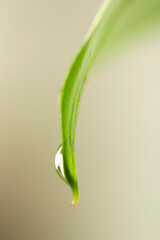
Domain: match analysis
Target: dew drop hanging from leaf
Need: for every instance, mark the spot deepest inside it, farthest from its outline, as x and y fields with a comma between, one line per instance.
x=59, y=163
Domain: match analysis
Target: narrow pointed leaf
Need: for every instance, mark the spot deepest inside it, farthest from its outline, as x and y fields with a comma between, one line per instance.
x=117, y=21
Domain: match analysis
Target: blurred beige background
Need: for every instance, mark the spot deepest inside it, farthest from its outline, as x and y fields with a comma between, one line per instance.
x=117, y=139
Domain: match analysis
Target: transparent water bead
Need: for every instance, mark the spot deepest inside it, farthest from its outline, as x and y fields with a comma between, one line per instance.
x=59, y=163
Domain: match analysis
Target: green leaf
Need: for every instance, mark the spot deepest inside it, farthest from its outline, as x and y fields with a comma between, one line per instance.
x=117, y=21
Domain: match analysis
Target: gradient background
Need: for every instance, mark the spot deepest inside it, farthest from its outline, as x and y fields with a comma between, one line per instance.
x=117, y=139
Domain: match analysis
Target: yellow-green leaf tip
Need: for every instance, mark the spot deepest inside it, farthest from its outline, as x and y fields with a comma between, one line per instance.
x=75, y=196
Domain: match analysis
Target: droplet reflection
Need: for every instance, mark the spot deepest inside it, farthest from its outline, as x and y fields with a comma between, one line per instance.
x=59, y=163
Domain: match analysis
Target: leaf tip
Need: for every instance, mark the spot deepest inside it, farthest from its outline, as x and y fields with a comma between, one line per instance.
x=75, y=196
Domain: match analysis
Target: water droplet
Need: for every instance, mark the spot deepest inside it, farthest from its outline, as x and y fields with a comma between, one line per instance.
x=59, y=163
